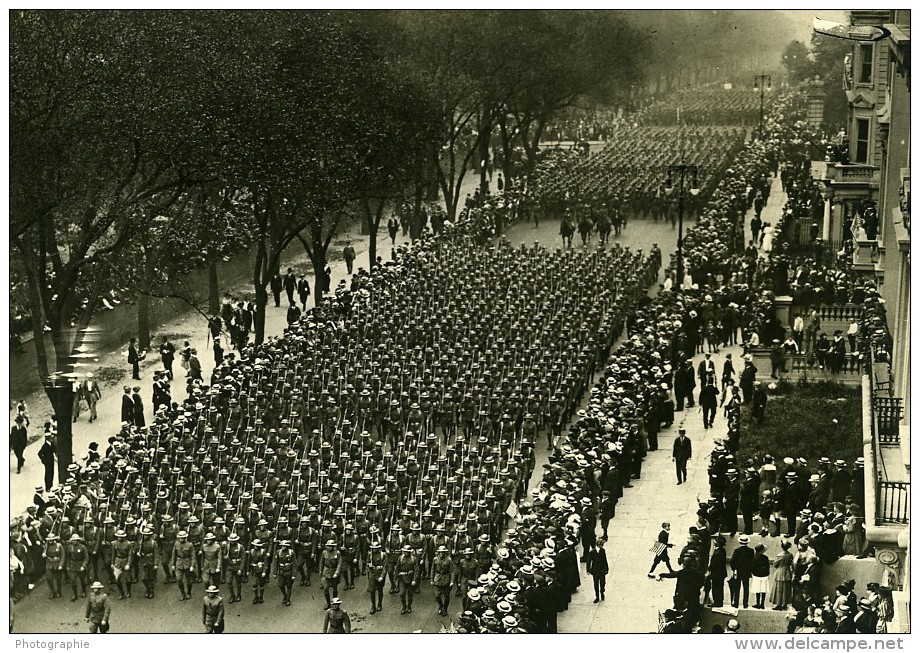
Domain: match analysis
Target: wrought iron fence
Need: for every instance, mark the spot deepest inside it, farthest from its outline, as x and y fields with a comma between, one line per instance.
x=893, y=502
x=888, y=413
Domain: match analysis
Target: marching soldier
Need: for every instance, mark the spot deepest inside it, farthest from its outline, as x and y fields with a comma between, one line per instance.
x=98, y=609
x=167, y=540
x=442, y=573
x=212, y=612
x=184, y=564
x=284, y=570
x=330, y=565
x=349, y=556
x=211, y=560
x=376, y=571
x=77, y=564
x=54, y=556
x=149, y=560
x=407, y=569
x=336, y=620
x=467, y=569
x=258, y=568
x=234, y=563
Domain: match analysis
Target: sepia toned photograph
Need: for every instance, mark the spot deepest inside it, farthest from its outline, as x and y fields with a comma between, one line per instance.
x=520, y=321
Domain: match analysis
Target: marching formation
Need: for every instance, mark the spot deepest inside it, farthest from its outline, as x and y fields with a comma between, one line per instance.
x=389, y=433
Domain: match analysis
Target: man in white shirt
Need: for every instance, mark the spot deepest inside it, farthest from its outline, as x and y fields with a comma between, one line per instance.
x=798, y=329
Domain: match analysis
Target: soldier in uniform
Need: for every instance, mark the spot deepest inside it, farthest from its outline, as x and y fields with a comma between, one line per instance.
x=77, y=564
x=284, y=570
x=167, y=541
x=467, y=569
x=184, y=564
x=258, y=567
x=330, y=565
x=407, y=569
x=349, y=556
x=54, y=556
x=376, y=571
x=336, y=620
x=211, y=560
x=98, y=609
x=442, y=573
x=234, y=563
x=304, y=547
x=148, y=559
x=212, y=612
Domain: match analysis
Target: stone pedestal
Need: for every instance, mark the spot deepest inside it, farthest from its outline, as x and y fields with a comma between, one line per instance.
x=783, y=303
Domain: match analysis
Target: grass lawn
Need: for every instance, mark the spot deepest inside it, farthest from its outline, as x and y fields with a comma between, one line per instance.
x=806, y=419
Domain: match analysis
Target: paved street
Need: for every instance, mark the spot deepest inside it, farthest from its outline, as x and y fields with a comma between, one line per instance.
x=166, y=614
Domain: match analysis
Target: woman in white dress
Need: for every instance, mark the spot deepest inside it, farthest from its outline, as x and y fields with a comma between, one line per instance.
x=767, y=245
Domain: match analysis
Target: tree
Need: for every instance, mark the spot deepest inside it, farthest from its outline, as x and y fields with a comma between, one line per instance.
x=797, y=63
x=94, y=155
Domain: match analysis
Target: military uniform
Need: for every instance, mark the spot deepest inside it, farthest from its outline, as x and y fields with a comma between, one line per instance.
x=211, y=560
x=330, y=564
x=212, y=613
x=234, y=564
x=376, y=572
x=258, y=569
x=54, y=555
x=148, y=559
x=284, y=570
x=407, y=571
x=442, y=574
x=184, y=565
x=98, y=611
x=77, y=564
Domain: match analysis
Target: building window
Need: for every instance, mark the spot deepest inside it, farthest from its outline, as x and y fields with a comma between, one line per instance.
x=865, y=63
x=862, y=140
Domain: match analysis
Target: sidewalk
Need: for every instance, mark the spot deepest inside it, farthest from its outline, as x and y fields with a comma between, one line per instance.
x=634, y=600
x=113, y=372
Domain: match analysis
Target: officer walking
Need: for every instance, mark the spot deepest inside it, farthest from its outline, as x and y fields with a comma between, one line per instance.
x=442, y=571
x=336, y=620
x=212, y=612
x=407, y=577
x=98, y=609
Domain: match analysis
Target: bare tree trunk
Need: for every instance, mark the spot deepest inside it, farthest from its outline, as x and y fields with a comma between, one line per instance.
x=258, y=283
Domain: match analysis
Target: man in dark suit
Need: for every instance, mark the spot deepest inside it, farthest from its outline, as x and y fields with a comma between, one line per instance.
x=598, y=568
x=127, y=407
x=46, y=455
x=38, y=499
x=683, y=450
x=742, y=564
x=690, y=581
x=749, y=500
x=717, y=572
x=709, y=402
x=19, y=439
x=134, y=359
x=706, y=367
x=138, y=404
x=290, y=285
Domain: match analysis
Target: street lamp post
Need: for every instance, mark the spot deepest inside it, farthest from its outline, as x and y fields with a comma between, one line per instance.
x=762, y=82
x=686, y=174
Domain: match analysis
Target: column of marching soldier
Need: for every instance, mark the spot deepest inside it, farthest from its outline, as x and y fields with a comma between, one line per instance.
x=389, y=433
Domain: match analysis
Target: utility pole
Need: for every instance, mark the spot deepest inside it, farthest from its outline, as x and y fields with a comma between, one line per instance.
x=687, y=176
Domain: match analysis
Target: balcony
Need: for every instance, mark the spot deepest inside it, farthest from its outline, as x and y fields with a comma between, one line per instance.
x=856, y=173
x=888, y=503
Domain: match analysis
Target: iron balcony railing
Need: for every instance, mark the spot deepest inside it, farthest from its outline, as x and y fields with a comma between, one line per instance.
x=893, y=502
